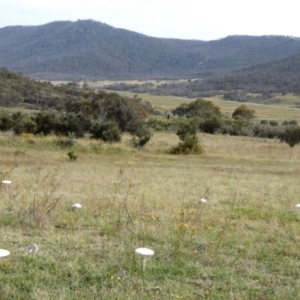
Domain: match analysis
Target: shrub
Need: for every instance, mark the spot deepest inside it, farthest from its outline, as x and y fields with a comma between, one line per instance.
x=211, y=125
x=289, y=123
x=24, y=125
x=264, y=122
x=72, y=155
x=46, y=122
x=6, y=121
x=244, y=112
x=185, y=129
x=188, y=146
x=157, y=125
x=270, y=132
x=75, y=123
x=106, y=131
x=273, y=123
x=142, y=137
x=291, y=136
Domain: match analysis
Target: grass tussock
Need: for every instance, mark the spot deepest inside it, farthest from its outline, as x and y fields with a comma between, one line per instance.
x=241, y=244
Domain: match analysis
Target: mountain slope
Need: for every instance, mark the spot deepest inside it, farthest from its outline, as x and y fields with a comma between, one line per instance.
x=277, y=76
x=89, y=49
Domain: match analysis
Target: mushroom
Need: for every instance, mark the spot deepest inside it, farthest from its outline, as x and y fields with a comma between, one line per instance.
x=32, y=249
x=4, y=253
x=202, y=200
x=6, y=182
x=76, y=206
x=297, y=205
x=144, y=252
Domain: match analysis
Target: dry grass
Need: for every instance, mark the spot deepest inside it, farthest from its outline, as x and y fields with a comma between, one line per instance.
x=242, y=244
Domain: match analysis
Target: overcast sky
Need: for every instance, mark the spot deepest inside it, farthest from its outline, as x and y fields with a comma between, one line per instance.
x=183, y=19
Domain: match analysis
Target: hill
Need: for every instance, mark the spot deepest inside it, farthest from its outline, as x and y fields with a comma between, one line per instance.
x=87, y=49
x=277, y=76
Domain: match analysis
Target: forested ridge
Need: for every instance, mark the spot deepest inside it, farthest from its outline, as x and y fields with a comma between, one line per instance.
x=90, y=50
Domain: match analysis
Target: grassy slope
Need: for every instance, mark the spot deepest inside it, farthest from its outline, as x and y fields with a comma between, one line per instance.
x=243, y=244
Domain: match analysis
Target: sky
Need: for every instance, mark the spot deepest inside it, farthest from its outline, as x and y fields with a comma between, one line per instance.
x=183, y=19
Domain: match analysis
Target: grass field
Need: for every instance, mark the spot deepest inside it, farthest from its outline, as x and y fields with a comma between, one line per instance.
x=285, y=110
x=241, y=244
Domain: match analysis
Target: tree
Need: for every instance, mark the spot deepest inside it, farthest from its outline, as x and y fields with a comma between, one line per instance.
x=243, y=112
x=128, y=113
x=199, y=108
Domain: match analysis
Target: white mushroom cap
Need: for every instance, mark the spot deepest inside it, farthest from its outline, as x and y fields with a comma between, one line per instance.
x=297, y=205
x=32, y=249
x=6, y=181
x=4, y=253
x=202, y=200
x=76, y=205
x=144, y=251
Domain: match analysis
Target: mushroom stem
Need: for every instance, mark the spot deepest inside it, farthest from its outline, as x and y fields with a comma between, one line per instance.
x=144, y=262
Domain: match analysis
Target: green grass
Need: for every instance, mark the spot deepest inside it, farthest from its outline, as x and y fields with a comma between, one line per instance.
x=242, y=244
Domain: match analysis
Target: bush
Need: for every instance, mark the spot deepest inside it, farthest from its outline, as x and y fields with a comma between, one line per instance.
x=46, y=122
x=75, y=123
x=273, y=123
x=270, y=132
x=211, y=125
x=24, y=125
x=72, y=155
x=157, y=125
x=188, y=146
x=264, y=122
x=106, y=131
x=291, y=136
x=244, y=112
x=6, y=121
x=142, y=137
x=185, y=129
x=290, y=123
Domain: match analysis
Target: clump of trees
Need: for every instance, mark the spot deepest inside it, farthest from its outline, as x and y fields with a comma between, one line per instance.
x=103, y=115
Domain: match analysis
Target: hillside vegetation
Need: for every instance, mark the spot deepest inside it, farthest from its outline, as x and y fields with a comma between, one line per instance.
x=265, y=80
x=91, y=50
